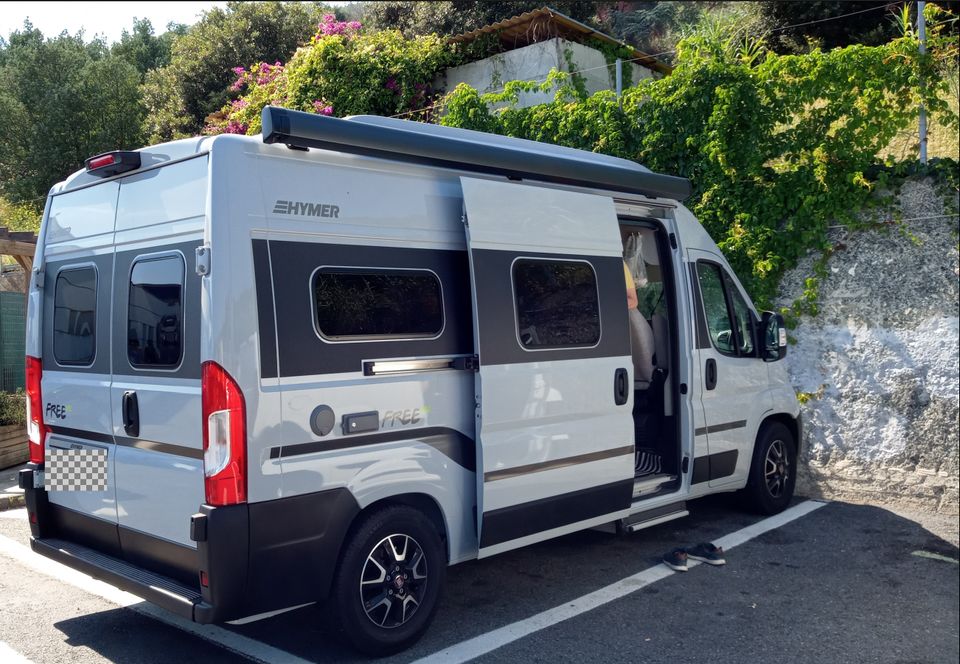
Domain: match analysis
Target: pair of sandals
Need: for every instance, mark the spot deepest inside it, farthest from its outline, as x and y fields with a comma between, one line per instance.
x=705, y=552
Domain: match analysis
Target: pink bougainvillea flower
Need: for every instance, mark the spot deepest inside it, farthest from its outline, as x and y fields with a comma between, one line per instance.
x=234, y=127
x=322, y=108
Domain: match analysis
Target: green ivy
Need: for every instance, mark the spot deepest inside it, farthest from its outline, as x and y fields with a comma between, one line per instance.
x=777, y=147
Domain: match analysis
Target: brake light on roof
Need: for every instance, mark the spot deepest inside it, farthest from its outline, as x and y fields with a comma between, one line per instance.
x=112, y=163
x=36, y=430
x=224, y=436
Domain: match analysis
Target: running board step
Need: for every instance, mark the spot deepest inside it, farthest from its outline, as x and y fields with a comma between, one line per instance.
x=156, y=588
x=649, y=518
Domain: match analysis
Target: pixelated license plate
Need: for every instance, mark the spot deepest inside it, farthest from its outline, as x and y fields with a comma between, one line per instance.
x=82, y=469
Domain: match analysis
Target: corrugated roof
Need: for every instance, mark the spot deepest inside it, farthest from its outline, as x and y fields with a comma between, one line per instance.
x=545, y=23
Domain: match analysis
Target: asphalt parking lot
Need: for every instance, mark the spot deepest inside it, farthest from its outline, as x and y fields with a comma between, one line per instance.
x=841, y=583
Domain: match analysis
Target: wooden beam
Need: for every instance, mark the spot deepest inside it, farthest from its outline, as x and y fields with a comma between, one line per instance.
x=17, y=248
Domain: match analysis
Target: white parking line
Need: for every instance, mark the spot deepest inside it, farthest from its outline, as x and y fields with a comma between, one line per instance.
x=481, y=645
x=19, y=513
x=10, y=656
x=236, y=643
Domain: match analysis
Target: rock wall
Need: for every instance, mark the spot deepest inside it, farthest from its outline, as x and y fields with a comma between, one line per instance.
x=880, y=363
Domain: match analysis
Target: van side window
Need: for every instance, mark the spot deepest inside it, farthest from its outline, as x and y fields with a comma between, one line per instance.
x=715, y=308
x=729, y=319
x=155, y=313
x=377, y=304
x=75, y=316
x=742, y=317
x=557, y=303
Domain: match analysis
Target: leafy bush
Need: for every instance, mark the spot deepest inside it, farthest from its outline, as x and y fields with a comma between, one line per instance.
x=13, y=408
x=341, y=71
x=777, y=147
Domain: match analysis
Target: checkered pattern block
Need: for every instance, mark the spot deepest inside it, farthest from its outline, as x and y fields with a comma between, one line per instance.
x=75, y=470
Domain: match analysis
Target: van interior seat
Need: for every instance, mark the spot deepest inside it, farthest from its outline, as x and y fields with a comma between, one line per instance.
x=642, y=348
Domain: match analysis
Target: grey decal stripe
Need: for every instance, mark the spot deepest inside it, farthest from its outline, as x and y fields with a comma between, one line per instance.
x=458, y=447
x=717, y=428
x=510, y=523
x=498, y=343
x=154, y=446
x=166, y=448
x=265, y=316
x=300, y=349
x=714, y=466
x=554, y=464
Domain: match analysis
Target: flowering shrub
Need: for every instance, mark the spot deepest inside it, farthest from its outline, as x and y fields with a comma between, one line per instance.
x=342, y=71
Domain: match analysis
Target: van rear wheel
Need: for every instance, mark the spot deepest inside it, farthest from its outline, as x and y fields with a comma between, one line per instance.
x=773, y=472
x=389, y=580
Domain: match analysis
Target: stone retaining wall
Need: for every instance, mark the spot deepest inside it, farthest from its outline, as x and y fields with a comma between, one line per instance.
x=880, y=363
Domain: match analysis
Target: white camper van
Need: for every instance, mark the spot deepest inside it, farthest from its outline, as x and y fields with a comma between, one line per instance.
x=326, y=362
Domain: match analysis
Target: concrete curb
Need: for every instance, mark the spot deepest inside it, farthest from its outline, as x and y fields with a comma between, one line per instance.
x=12, y=502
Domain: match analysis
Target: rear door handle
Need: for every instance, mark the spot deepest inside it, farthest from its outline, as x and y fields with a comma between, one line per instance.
x=710, y=374
x=130, y=410
x=621, y=392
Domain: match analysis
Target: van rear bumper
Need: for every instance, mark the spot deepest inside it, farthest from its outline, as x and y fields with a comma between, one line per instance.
x=155, y=588
x=255, y=557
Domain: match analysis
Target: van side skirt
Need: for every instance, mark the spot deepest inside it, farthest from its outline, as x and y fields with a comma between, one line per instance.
x=516, y=521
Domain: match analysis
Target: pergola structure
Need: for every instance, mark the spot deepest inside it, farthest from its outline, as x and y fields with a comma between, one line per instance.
x=21, y=245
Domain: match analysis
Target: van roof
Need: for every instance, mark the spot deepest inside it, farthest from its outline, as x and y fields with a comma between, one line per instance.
x=406, y=140
x=149, y=156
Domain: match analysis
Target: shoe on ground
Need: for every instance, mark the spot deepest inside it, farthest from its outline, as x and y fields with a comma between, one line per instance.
x=676, y=560
x=706, y=552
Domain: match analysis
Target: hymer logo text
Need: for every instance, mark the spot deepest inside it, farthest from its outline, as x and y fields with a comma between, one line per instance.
x=305, y=209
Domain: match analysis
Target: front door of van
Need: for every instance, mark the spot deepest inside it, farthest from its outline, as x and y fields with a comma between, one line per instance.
x=733, y=377
x=554, y=388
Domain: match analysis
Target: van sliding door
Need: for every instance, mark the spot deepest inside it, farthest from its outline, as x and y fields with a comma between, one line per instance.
x=554, y=397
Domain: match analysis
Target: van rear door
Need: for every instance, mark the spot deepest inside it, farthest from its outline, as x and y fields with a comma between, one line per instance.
x=554, y=388
x=156, y=359
x=75, y=342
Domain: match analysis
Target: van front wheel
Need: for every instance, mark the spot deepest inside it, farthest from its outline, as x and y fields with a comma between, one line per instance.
x=389, y=580
x=773, y=472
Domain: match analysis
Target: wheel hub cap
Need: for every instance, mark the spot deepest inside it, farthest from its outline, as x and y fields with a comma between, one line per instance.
x=393, y=581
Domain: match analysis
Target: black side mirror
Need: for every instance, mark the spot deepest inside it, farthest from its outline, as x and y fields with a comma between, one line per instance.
x=773, y=337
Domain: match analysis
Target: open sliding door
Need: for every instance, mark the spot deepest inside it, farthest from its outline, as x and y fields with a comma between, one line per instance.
x=554, y=389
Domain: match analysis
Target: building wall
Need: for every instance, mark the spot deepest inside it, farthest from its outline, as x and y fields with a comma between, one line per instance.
x=534, y=62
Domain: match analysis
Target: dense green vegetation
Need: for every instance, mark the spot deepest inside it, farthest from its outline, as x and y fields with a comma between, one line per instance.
x=785, y=117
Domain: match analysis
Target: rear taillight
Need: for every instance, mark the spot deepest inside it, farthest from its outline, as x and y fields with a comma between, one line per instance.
x=36, y=431
x=224, y=437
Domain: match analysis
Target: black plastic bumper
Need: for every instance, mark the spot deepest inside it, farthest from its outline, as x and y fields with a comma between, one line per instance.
x=254, y=558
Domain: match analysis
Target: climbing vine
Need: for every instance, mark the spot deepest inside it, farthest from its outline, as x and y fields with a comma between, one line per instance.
x=777, y=147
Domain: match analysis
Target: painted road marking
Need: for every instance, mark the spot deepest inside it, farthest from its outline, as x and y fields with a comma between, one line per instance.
x=485, y=643
x=935, y=556
x=233, y=642
x=20, y=513
x=10, y=656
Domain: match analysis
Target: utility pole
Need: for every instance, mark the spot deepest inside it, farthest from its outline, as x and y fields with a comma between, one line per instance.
x=619, y=81
x=922, y=33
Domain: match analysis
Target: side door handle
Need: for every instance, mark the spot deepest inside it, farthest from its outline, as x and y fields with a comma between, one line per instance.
x=710, y=374
x=621, y=387
x=130, y=410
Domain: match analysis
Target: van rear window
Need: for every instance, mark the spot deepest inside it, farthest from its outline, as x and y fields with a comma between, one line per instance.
x=370, y=304
x=155, y=313
x=75, y=316
x=557, y=303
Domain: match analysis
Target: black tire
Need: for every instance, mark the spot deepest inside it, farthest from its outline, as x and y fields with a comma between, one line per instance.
x=773, y=471
x=369, y=600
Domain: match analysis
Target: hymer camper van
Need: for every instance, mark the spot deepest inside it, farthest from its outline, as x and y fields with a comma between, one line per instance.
x=326, y=362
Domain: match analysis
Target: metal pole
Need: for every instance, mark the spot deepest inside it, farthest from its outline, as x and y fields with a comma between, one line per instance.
x=619, y=79
x=922, y=33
